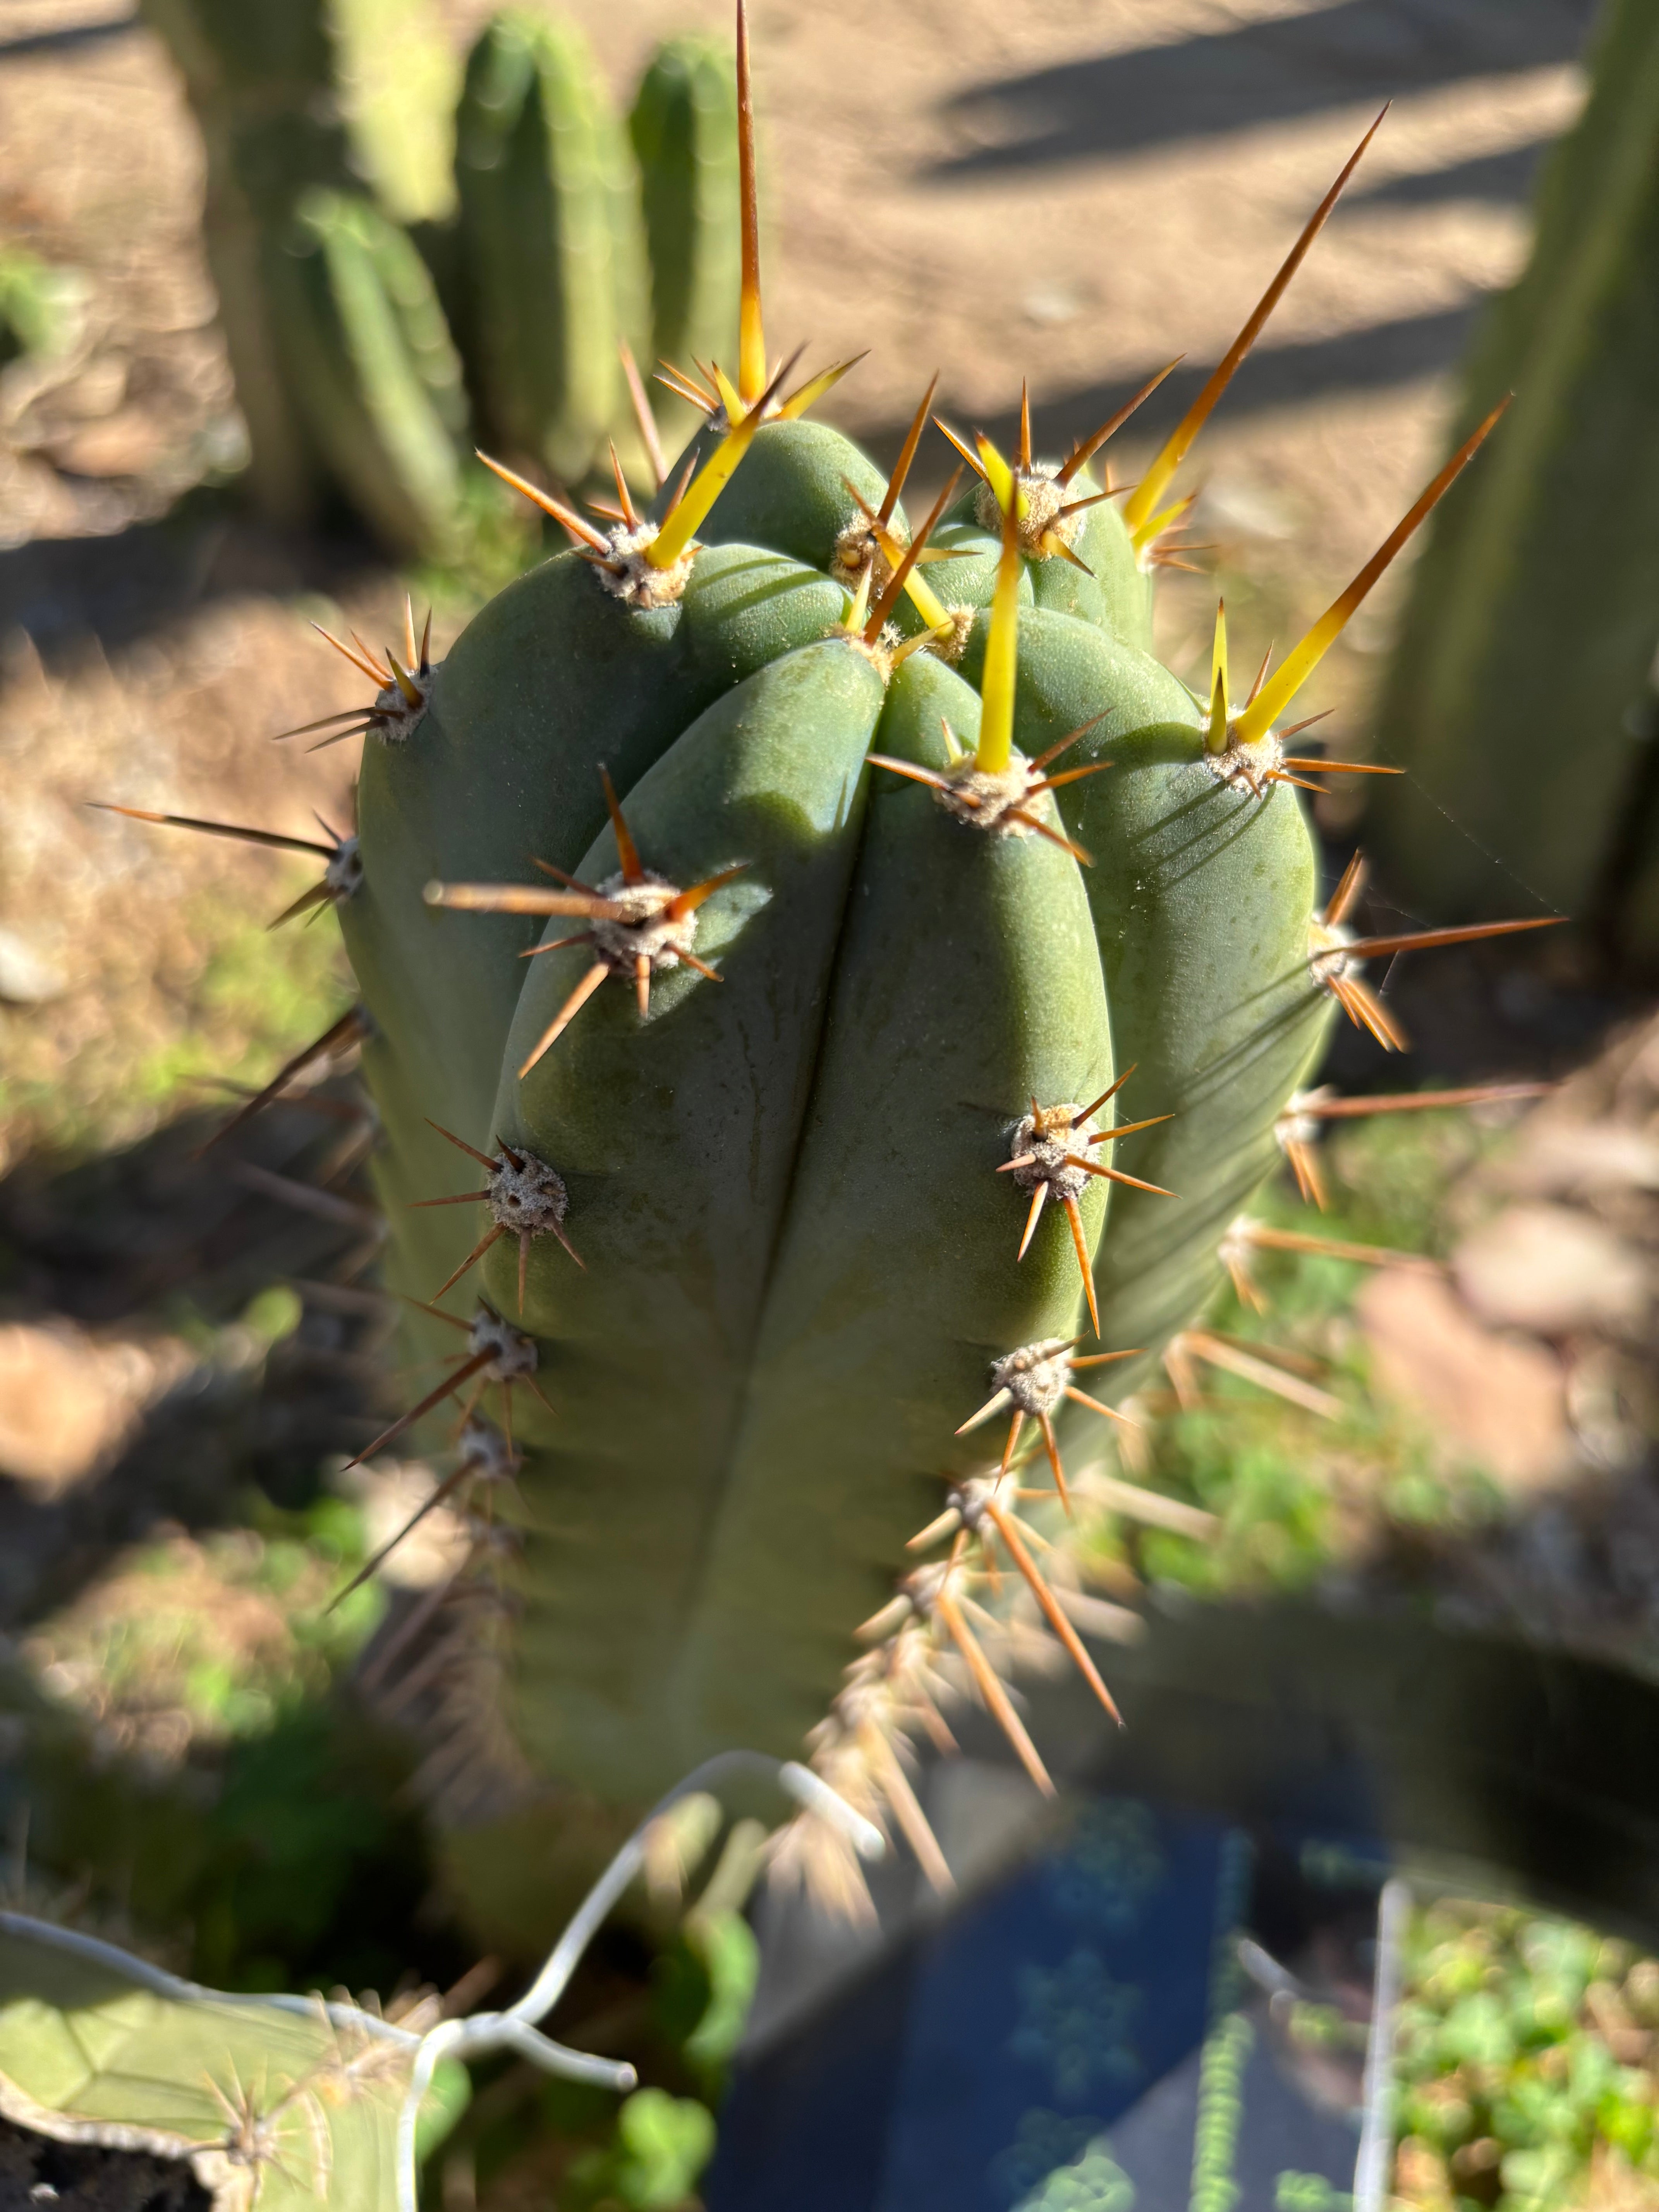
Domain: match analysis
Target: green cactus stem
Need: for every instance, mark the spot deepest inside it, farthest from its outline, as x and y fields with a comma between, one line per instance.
x=683, y=128
x=1517, y=694
x=552, y=246
x=259, y=77
x=807, y=987
x=373, y=374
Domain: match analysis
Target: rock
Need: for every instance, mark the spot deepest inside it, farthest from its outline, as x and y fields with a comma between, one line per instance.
x=1497, y=1400
x=1552, y=1270
x=28, y=978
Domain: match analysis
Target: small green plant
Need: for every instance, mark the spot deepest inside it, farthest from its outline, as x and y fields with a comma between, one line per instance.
x=42, y=306
x=1524, y=2058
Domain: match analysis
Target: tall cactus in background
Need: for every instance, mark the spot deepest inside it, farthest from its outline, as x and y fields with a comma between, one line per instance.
x=369, y=361
x=553, y=251
x=259, y=78
x=684, y=132
x=1518, y=695
x=399, y=78
x=574, y=247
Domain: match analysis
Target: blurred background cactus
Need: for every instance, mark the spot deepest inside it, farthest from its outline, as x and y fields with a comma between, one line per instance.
x=1521, y=693
x=409, y=255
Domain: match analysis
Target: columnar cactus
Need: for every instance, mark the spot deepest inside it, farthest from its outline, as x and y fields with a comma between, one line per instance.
x=369, y=362
x=762, y=916
x=553, y=251
x=684, y=127
x=574, y=247
x=258, y=79
x=1520, y=697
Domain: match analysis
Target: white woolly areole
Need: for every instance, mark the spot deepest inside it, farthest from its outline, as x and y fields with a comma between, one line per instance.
x=1036, y=1376
x=1331, y=940
x=1043, y=497
x=952, y=648
x=986, y=799
x=526, y=1195
x=514, y=1353
x=396, y=716
x=342, y=877
x=1247, y=768
x=647, y=928
x=857, y=548
x=1295, y=1126
x=1046, y=1139
x=628, y=575
x=485, y=1452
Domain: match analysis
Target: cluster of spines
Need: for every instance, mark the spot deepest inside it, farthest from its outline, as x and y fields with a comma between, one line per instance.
x=639, y=924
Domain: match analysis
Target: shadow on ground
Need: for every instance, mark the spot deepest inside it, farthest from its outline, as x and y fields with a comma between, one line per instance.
x=1259, y=73
x=158, y=1235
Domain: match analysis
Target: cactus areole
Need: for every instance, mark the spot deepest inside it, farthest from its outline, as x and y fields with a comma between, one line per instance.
x=818, y=965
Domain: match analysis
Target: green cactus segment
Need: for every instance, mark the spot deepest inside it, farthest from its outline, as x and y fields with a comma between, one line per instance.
x=498, y=772
x=260, y=75
x=966, y=982
x=98, y=2048
x=1202, y=894
x=796, y=1258
x=791, y=492
x=1522, y=667
x=745, y=606
x=684, y=131
x=369, y=359
x=551, y=245
x=1116, y=595
x=675, y=1137
x=258, y=79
